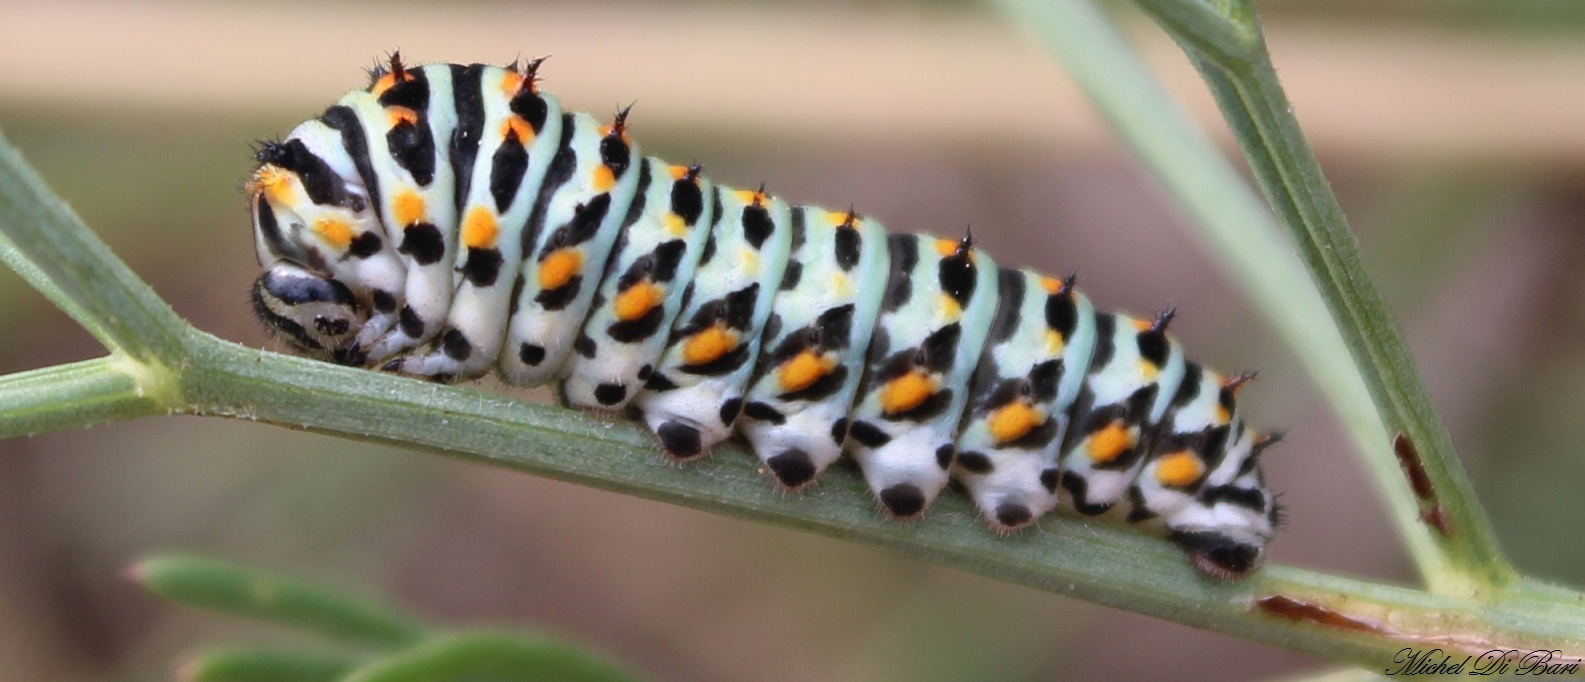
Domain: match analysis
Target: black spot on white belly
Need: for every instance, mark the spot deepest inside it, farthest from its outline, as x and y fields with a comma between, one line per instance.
x=903, y=500
x=610, y=394
x=680, y=440
x=793, y=468
x=456, y=346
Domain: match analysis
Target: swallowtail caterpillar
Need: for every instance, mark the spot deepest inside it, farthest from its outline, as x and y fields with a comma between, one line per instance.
x=452, y=220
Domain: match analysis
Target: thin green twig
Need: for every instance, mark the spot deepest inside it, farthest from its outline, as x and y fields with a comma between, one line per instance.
x=50, y=247
x=1226, y=211
x=76, y=395
x=1467, y=557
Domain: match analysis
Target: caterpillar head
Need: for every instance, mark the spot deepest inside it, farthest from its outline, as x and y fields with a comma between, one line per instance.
x=317, y=315
x=328, y=271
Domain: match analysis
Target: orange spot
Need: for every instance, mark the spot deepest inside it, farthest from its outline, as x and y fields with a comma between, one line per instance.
x=907, y=392
x=511, y=83
x=516, y=126
x=1109, y=442
x=1222, y=415
x=803, y=370
x=1013, y=421
x=382, y=84
x=841, y=286
x=605, y=131
x=1179, y=469
x=946, y=247
x=950, y=308
x=675, y=225
x=408, y=207
x=677, y=172
x=750, y=196
x=841, y=220
x=709, y=345
x=559, y=267
x=335, y=231
x=1142, y=325
x=262, y=179
x=479, y=229
x=602, y=179
x=275, y=182
x=400, y=115
x=1054, y=342
x=1148, y=370
x=1052, y=285
x=637, y=301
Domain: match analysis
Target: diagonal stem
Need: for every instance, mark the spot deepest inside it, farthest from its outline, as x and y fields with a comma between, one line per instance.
x=1235, y=220
x=49, y=246
x=1421, y=472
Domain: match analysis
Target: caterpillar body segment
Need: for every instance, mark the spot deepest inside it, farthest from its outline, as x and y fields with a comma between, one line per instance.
x=1134, y=373
x=577, y=218
x=1032, y=369
x=1191, y=444
x=696, y=392
x=642, y=291
x=410, y=161
x=796, y=411
x=451, y=220
x=940, y=299
x=507, y=136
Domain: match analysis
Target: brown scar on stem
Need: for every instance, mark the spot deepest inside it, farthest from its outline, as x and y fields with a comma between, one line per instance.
x=1465, y=642
x=1293, y=609
x=1409, y=459
x=1435, y=518
x=1431, y=513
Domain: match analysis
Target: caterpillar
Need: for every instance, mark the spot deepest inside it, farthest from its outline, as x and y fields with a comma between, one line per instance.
x=452, y=220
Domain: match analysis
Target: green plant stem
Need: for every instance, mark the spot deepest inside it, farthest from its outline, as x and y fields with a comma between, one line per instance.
x=1245, y=86
x=50, y=247
x=1214, y=35
x=76, y=395
x=1068, y=556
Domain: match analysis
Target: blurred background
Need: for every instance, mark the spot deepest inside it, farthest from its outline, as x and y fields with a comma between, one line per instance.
x=1451, y=131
